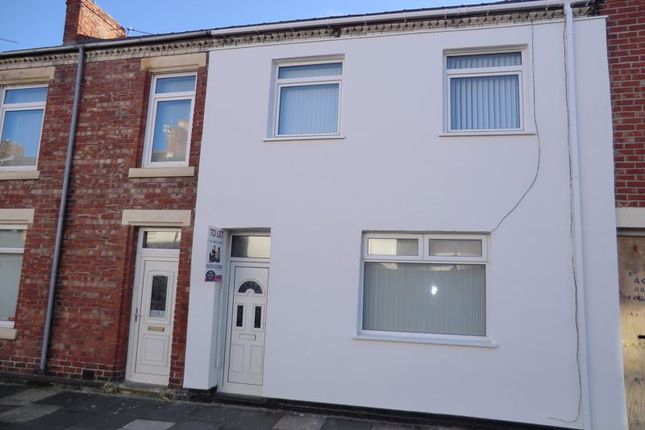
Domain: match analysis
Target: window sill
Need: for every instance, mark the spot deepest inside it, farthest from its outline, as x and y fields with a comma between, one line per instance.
x=488, y=133
x=19, y=174
x=161, y=172
x=430, y=339
x=299, y=138
x=8, y=333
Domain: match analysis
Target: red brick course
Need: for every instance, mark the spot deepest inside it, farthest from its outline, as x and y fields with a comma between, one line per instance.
x=626, y=44
x=94, y=292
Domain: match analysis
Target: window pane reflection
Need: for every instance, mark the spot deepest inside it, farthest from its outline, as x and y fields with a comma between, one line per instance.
x=455, y=248
x=20, y=137
x=161, y=239
x=406, y=247
x=171, y=130
x=251, y=246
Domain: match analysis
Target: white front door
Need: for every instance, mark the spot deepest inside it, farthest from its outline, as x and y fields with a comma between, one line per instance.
x=249, y=285
x=153, y=304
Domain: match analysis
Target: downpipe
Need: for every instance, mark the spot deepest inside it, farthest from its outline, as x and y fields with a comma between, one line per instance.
x=61, y=211
x=576, y=208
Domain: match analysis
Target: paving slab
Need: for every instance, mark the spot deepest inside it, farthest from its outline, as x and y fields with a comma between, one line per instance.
x=140, y=424
x=27, y=413
x=299, y=422
x=102, y=421
x=5, y=408
x=393, y=427
x=7, y=390
x=215, y=414
x=345, y=424
x=79, y=401
x=25, y=397
x=169, y=411
x=60, y=419
x=254, y=420
x=196, y=425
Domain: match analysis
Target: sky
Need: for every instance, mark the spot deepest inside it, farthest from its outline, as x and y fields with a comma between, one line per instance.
x=38, y=23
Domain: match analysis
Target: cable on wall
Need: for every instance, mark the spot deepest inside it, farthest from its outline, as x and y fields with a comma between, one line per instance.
x=537, y=135
x=571, y=237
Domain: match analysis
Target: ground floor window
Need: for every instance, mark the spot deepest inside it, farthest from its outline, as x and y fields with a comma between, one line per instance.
x=12, y=242
x=424, y=284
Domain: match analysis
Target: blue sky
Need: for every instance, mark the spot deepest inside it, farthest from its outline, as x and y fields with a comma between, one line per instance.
x=38, y=23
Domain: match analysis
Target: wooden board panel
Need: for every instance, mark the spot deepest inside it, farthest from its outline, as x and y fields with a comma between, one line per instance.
x=631, y=256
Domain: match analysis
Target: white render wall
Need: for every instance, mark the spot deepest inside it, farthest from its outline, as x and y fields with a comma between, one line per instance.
x=393, y=171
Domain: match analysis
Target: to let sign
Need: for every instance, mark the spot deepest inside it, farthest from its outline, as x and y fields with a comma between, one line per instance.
x=214, y=255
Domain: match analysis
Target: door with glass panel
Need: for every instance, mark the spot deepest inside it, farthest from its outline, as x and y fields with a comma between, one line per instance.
x=153, y=307
x=247, y=331
x=248, y=289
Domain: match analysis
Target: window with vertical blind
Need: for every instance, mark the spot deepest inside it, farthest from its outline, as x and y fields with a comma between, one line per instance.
x=308, y=99
x=484, y=91
x=424, y=284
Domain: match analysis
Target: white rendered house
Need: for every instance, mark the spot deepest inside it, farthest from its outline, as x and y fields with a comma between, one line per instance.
x=418, y=215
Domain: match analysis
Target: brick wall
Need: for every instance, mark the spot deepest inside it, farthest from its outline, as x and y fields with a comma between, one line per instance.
x=94, y=292
x=86, y=20
x=626, y=41
x=23, y=354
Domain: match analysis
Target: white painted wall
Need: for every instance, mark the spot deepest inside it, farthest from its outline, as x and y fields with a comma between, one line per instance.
x=394, y=171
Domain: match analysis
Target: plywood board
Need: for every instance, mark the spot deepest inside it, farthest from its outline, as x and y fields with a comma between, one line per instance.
x=631, y=255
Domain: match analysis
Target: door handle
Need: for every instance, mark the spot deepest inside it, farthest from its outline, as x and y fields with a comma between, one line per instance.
x=641, y=336
x=136, y=315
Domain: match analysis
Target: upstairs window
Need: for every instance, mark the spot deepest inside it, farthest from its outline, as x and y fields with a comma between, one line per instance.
x=22, y=110
x=484, y=91
x=308, y=99
x=170, y=117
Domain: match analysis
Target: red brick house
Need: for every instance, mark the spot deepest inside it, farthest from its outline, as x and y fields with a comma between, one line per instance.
x=111, y=192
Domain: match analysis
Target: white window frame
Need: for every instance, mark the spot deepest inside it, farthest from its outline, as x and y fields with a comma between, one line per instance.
x=520, y=71
x=424, y=258
x=302, y=82
x=152, y=114
x=3, y=250
x=11, y=107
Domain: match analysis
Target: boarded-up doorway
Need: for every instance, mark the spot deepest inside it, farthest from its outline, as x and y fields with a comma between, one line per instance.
x=631, y=257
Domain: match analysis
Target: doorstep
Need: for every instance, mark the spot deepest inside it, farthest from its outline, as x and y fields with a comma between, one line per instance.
x=139, y=389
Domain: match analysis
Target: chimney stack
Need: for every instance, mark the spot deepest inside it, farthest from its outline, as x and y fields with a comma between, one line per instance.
x=85, y=20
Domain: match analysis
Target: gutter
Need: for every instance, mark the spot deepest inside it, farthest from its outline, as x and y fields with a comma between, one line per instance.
x=61, y=211
x=309, y=23
x=398, y=16
x=108, y=44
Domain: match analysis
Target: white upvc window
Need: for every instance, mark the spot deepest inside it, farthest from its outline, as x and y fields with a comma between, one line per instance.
x=12, y=243
x=170, y=119
x=424, y=287
x=484, y=91
x=308, y=99
x=22, y=110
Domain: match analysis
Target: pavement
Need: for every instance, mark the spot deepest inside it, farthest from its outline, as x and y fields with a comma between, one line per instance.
x=47, y=408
